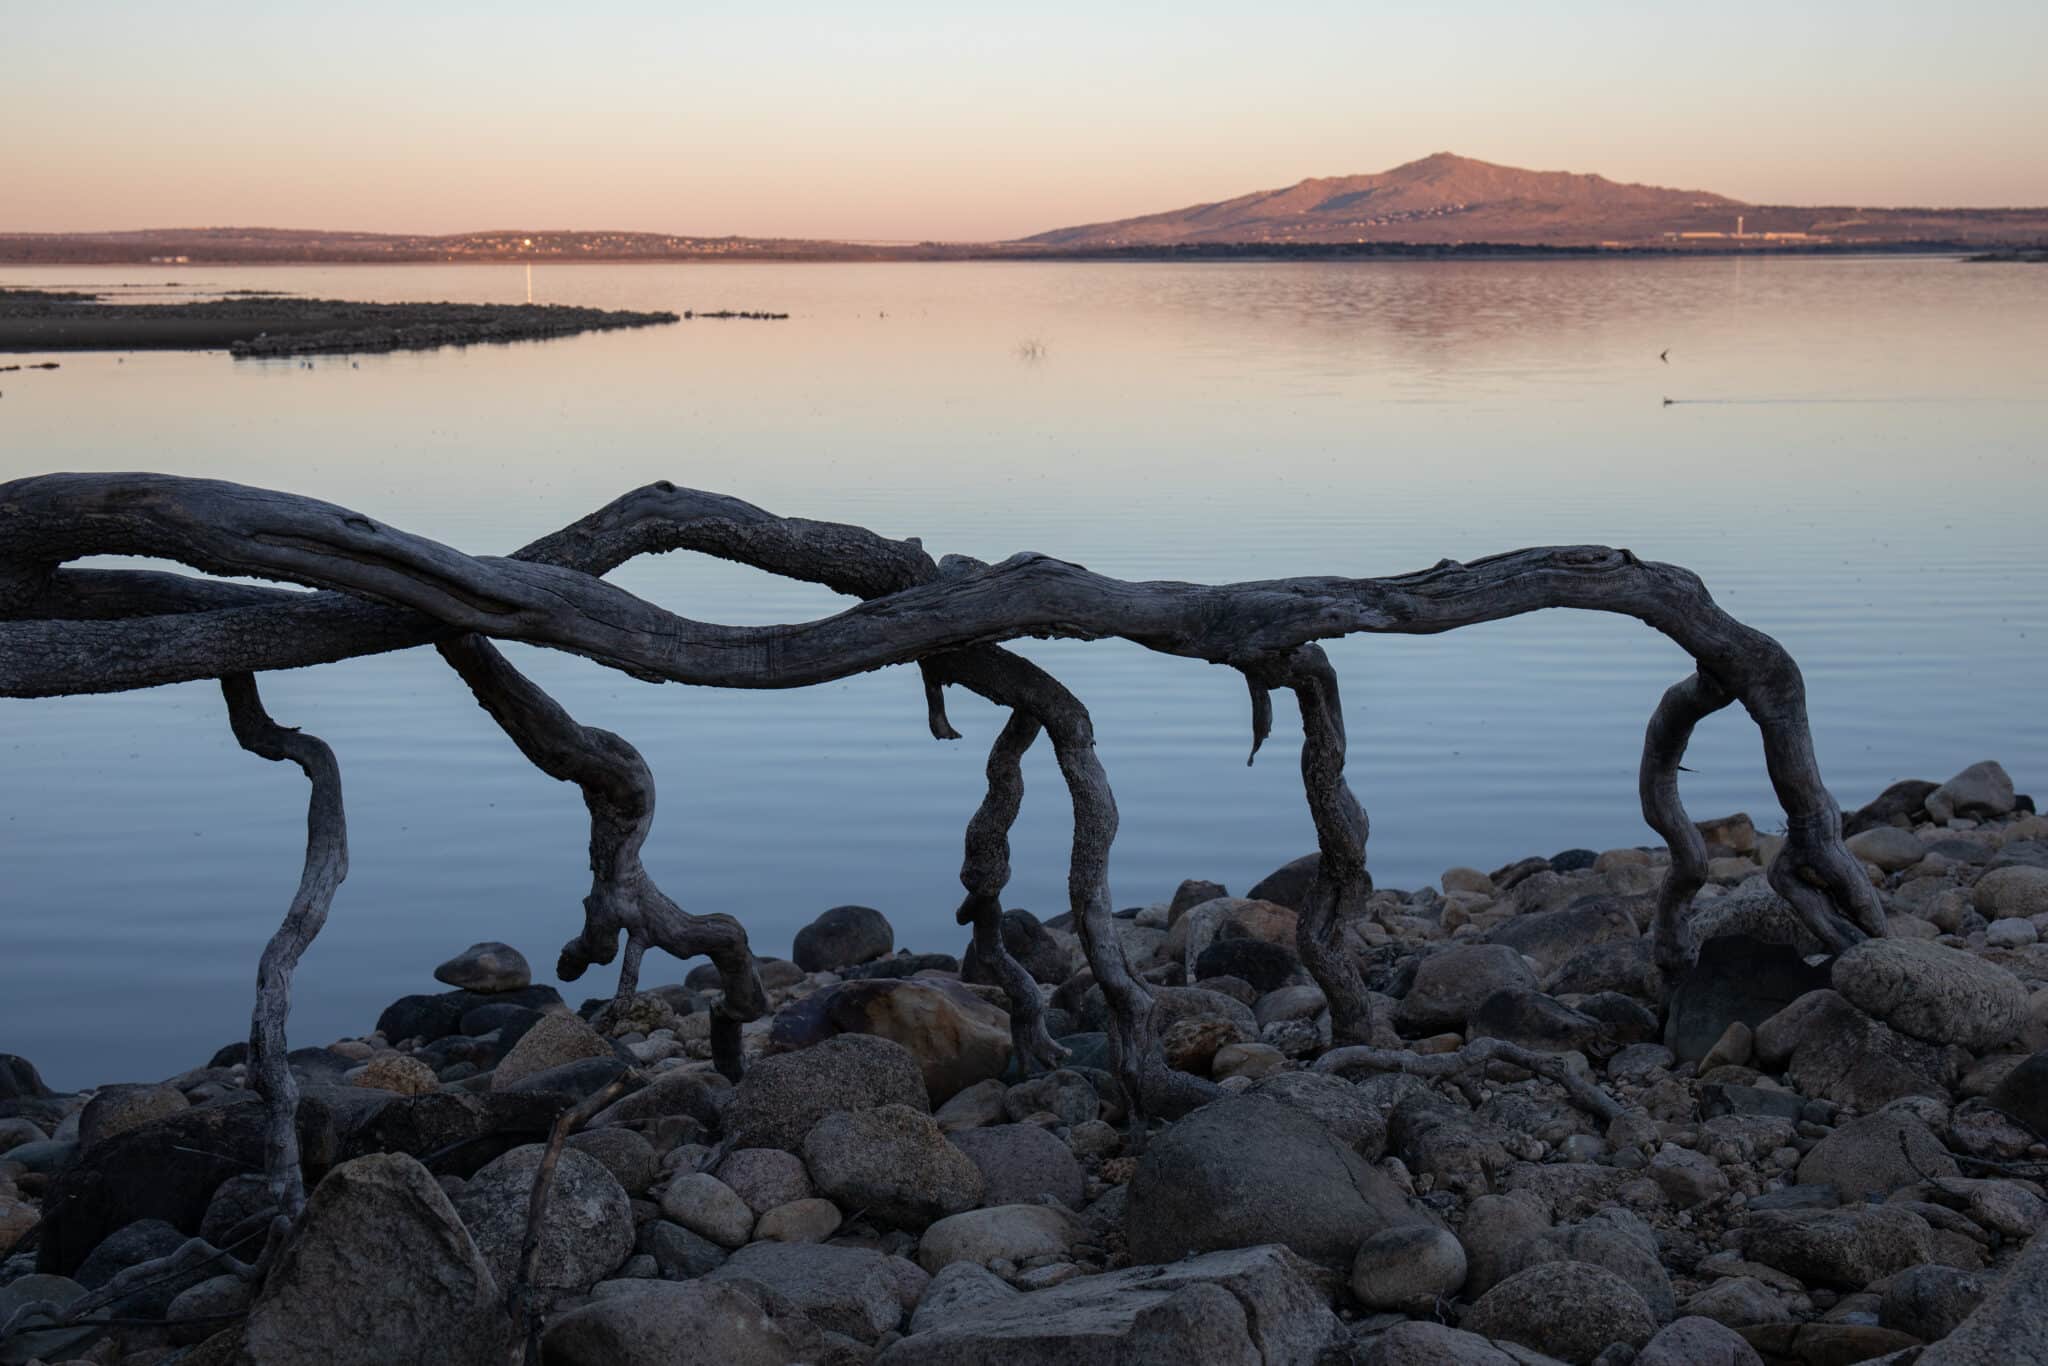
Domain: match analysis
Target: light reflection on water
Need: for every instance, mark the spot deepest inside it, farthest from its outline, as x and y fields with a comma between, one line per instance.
x=1854, y=465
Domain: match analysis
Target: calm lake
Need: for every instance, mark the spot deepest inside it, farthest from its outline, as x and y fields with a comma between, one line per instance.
x=1853, y=460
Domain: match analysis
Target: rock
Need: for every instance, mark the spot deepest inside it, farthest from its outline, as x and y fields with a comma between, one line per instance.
x=1932, y=992
x=1614, y=1247
x=1736, y=833
x=1228, y=918
x=1193, y=892
x=852, y=1290
x=1733, y=1049
x=145, y=1240
x=1408, y=1269
x=904, y=963
x=1494, y=1226
x=1419, y=1342
x=1171, y=1005
x=1697, y=1342
x=783, y=1095
x=1336, y=1104
x=1192, y=1045
x=1876, y=1155
x=2023, y=1094
x=842, y=937
x=586, y=1230
x=1982, y=790
x=1895, y=805
x=1013, y=1233
x=1570, y=1310
x=453, y=1131
x=1738, y=1302
x=1687, y=1178
x=1889, y=847
x=575, y=1081
x=626, y=1155
x=663, y=1323
x=1929, y=1302
x=488, y=967
x=706, y=1206
x=2010, y=1325
x=1252, y=1060
x=436, y=1016
x=1623, y=965
x=198, y=1311
x=1022, y=1164
x=1064, y=1093
x=1449, y=986
x=1288, y=884
x=1255, y=1307
x=1825, y=1344
x=1537, y=1022
x=1841, y=1054
x=117, y=1109
x=19, y=1079
x=166, y=1169
x=553, y=1041
x=1736, y=979
x=1030, y=943
x=2017, y=892
x=893, y=1163
x=380, y=1271
x=765, y=1177
x=979, y=1104
x=1551, y=937
x=1247, y=1170
x=955, y=1291
x=2011, y=934
x=395, y=1072
x=1266, y=966
x=678, y=1253
x=698, y=1095
x=800, y=1221
x=957, y=1037
x=1845, y=1249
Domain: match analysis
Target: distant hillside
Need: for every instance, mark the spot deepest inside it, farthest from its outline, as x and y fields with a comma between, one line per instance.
x=1447, y=198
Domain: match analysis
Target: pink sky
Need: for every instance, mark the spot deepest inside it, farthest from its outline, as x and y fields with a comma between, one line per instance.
x=910, y=120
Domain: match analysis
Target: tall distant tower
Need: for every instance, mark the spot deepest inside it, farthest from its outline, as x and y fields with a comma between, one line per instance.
x=1738, y=225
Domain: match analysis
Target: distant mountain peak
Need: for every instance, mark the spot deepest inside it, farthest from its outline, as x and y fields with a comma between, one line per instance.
x=1439, y=197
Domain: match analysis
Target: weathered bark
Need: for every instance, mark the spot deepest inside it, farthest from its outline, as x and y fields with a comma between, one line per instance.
x=1470, y=1062
x=326, y=866
x=1341, y=884
x=618, y=791
x=67, y=630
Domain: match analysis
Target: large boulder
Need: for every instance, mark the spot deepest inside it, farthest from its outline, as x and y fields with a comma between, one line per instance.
x=553, y=1041
x=1838, y=1053
x=1336, y=1104
x=1845, y=1249
x=454, y=1132
x=664, y=1323
x=1983, y=789
x=486, y=967
x=957, y=1037
x=1246, y=1170
x=1570, y=1310
x=1698, y=1342
x=843, y=937
x=586, y=1229
x=1876, y=1155
x=1552, y=937
x=1932, y=992
x=856, y=1291
x=380, y=1271
x=1288, y=884
x=117, y=1109
x=1421, y=1342
x=1255, y=1307
x=765, y=1177
x=892, y=1162
x=1896, y=805
x=2023, y=1094
x=165, y=1169
x=1011, y=1233
x=1736, y=979
x=1021, y=1164
x=2011, y=1325
x=701, y=1096
x=783, y=1095
x=1628, y=1253
x=1449, y=986
x=2012, y=893
x=1408, y=1269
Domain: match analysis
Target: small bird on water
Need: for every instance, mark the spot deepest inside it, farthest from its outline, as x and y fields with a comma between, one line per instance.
x=1665, y=355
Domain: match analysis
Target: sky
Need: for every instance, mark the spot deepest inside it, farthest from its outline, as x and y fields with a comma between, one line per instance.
x=892, y=120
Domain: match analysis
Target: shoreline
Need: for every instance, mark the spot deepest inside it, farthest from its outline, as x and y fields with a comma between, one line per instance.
x=1800, y=1156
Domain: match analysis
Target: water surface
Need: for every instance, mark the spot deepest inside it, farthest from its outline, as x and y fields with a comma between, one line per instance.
x=1852, y=461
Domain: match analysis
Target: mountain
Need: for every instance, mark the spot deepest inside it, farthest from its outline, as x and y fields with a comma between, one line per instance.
x=1441, y=198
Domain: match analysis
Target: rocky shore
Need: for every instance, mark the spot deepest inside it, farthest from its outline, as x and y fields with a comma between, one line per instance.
x=269, y=325
x=1778, y=1158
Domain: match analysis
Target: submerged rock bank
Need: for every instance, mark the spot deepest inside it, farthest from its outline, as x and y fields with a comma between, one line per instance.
x=1787, y=1159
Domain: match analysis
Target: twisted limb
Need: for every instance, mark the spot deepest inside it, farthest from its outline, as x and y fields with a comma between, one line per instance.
x=326, y=865
x=618, y=791
x=1471, y=1061
x=1341, y=883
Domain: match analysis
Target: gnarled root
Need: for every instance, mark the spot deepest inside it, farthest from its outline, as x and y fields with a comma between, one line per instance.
x=1341, y=884
x=618, y=791
x=326, y=865
x=1472, y=1060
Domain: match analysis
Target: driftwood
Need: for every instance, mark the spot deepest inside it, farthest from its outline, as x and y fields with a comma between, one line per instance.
x=378, y=588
